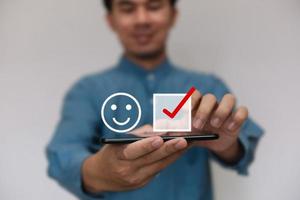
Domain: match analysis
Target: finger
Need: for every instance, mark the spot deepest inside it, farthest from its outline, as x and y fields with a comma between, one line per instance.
x=170, y=147
x=238, y=118
x=151, y=170
x=207, y=105
x=140, y=148
x=196, y=97
x=223, y=111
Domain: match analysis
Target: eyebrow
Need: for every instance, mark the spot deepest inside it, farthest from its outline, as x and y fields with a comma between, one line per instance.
x=155, y=0
x=121, y=2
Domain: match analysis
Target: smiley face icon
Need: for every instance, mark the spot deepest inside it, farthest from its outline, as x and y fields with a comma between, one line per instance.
x=121, y=112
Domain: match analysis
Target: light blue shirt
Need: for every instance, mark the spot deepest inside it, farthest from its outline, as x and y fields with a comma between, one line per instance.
x=77, y=134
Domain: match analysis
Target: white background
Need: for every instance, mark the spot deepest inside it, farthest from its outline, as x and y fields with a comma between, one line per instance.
x=45, y=45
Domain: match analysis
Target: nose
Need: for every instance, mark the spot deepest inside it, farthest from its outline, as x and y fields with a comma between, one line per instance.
x=142, y=16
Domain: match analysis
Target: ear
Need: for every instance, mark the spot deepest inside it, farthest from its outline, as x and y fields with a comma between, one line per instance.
x=110, y=20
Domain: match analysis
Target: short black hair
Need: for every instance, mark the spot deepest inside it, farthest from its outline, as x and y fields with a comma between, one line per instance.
x=108, y=4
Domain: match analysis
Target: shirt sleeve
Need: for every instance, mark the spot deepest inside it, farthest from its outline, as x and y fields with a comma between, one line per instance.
x=70, y=144
x=249, y=136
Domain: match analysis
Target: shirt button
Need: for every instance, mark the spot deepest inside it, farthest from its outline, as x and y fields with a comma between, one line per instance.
x=150, y=77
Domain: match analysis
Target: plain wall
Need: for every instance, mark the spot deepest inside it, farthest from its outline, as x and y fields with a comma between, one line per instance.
x=45, y=45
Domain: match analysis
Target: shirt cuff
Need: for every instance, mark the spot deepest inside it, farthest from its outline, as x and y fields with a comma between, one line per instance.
x=248, y=138
x=238, y=165
x=83, y=193
x=75, y=171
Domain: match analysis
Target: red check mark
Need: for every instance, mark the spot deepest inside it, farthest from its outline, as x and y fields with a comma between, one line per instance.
x=180, y=105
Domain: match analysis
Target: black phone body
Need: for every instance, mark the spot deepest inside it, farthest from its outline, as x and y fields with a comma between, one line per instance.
x=129, y=138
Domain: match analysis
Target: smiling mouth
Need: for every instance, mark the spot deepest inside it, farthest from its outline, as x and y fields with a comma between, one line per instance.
x=121, y=123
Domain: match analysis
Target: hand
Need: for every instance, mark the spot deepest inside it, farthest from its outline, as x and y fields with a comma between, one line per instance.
x=125, y=167
x=220, y=118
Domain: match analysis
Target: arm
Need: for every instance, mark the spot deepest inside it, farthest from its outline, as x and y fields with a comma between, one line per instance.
x=71, y=142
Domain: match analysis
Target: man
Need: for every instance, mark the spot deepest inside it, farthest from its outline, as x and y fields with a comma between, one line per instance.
x=149, y=168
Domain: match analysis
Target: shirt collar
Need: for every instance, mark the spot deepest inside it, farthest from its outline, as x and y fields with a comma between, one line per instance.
x=159, y=71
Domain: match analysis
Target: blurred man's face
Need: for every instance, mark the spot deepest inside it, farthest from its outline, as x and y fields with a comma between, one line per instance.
x=142, y=25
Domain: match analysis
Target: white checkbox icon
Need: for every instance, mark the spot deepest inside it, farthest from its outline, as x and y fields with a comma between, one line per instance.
x=162, y=122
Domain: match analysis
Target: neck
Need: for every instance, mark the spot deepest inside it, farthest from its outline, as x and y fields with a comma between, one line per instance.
x=147, y=62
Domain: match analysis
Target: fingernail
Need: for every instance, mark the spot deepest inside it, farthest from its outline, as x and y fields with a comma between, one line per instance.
x=215, y=122
x=231, y=126
x=157, y=143
x=198, y=123
x=179, y=144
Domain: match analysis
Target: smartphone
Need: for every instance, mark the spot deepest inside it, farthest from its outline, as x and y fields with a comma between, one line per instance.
x=128, y=138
